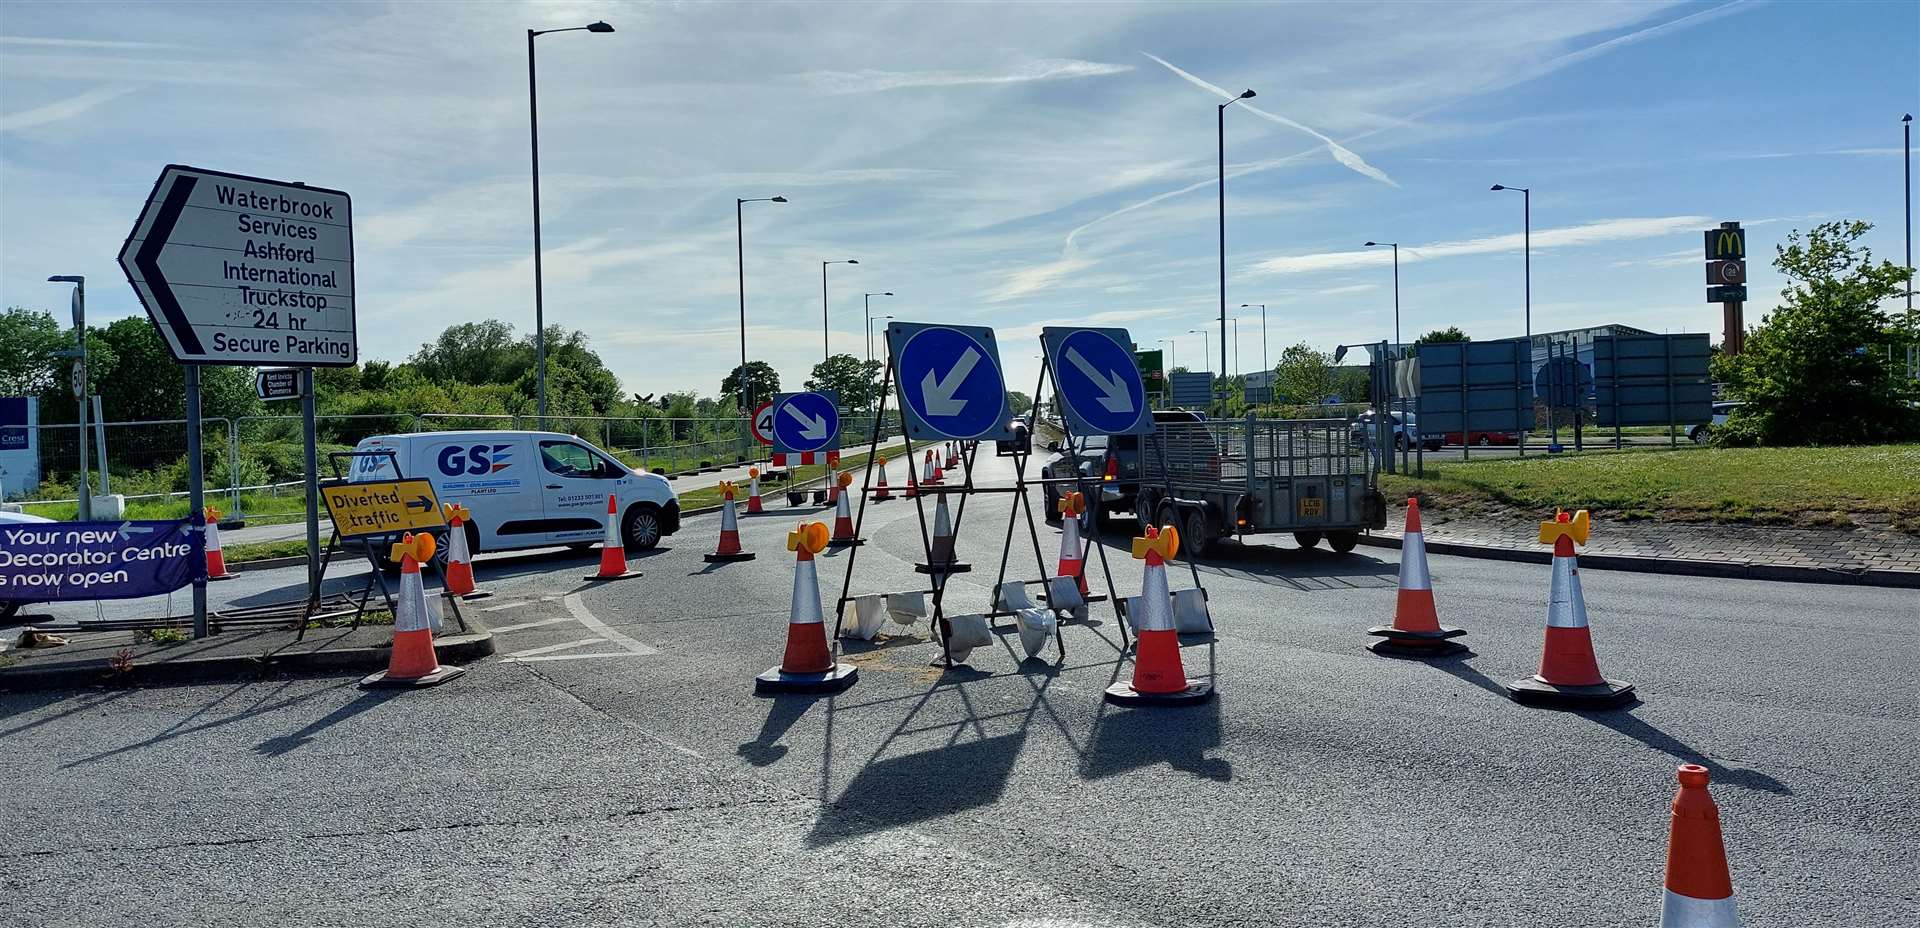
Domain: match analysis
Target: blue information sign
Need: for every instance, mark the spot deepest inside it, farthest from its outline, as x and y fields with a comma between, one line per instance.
x=804, y=422
x=1099, y=383
x=951, y=385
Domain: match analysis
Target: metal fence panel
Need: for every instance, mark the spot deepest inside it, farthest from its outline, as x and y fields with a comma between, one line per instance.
x=1475, y=386
x=1652, y=379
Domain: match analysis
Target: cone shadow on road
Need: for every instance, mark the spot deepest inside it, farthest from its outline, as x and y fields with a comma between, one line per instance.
x=1128, y=739
x=180, y=728
x=1457, y=666
x=912, y=788
x=1305, y=569
x=1646, y=733
x=274, y=747
x=765, y=748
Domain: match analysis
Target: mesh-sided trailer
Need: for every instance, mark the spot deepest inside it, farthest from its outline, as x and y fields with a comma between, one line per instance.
x=1251, y=476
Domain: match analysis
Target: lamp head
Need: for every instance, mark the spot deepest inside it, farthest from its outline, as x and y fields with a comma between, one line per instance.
x=888, y=293
x=1498, y=187
x=1246, y=94
x=599, y=27
x=66, y=279
x=1339, y=354
x=778, y=200
x=853, y=260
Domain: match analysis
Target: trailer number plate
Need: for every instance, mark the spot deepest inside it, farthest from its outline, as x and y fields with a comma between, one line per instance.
x=1312, y=506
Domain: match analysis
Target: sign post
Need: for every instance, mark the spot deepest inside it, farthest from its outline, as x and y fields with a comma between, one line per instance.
x=1726, y=249
x=244, y=271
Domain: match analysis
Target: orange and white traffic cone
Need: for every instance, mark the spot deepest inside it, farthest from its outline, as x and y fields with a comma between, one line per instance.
x=729, y=548
x=1158, y=677
x=753, y=492
x=941, y=558
x=939, y=473
x=913, y=486
x=216, y=560
x=459, y=572
x=926, y=469
x=1416, y=630
x=1569, y=675
x=880, y=491
x=808, y=666
x=412, y=662
x=843, y=534
x=953, y=455
x=1072, y=556
x=1699, y=888
x=613, y=552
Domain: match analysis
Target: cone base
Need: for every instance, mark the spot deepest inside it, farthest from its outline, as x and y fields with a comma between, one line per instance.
x=1123, y=694
x=1535, y=691
x=835, y=680
x=213, y=579
x=476, y=594
x=1088, y=598
x=1416, y=649
x=955, y=567
x=629, y=575
x=384, y=680
x=717, y=558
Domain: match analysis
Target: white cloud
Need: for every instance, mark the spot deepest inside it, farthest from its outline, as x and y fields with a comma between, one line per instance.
x=1044, y=69
x=1605, y=230
x=50, y=42
x=61, y=110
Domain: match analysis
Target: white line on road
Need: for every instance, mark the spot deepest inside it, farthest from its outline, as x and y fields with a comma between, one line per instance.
x=578, y=607
x=570, y=657
x=509, y=604
x=525, y=625
x=522, y=655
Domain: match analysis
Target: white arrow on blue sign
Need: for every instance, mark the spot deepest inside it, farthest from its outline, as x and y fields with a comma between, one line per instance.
x=1098, y=381
x=950, y=381
x=804, y=422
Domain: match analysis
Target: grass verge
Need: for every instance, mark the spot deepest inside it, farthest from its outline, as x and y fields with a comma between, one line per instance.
x=710, y=496
x=1778, y=486
x=263, y=550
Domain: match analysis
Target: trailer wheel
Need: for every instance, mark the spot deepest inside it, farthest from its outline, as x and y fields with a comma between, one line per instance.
x=1306, y=539
x=1343, y=542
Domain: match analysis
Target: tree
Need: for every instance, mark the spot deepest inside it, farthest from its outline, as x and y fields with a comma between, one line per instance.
x=1018, y=402
x=1451, y=333
x=1815, y=371
x=856, y=381
x=475, y=353
x=762, y=383
x=28, y=339
x=1303, y=374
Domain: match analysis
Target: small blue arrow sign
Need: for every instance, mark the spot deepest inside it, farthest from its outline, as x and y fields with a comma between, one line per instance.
x=805, y=422
x=950, y=381
x=1099, y=383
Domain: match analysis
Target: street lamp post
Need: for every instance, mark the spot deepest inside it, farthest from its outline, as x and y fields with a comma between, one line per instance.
x=1205, y=351
x=1173, y=357
x=1263, y=333
x=740, y=258
x=539, y=296
x=1526, y=240
x=85, y=483
x=867, y=299
x=1396, y=289
x=825, y=350
x=1906, y=148
x=1221, y=122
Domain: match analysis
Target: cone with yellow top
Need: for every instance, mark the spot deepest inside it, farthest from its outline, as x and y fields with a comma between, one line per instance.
x=754, y=506
x=1158, y=677
x=412, y=662
x=1072, y=556
x=808, y=666
x=1416, y=630
x=880, y=491
x=1569, y=674
x=729, y=548
x=459, y=572
x=216, y=559
x=843, y=534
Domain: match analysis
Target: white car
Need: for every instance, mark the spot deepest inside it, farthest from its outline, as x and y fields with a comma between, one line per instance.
x=1703, y=433
x=10, y=606
x=528, y=489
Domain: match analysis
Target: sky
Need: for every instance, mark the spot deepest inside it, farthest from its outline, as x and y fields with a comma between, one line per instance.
x=999, y=164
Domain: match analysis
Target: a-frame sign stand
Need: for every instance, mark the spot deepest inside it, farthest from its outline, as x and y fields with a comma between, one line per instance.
x=376, y=573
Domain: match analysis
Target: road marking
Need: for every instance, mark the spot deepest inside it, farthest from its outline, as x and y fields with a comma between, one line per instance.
x=570, y=657
x=578, y=607
x=522, y=655
x=509, y=604
x=524, y=625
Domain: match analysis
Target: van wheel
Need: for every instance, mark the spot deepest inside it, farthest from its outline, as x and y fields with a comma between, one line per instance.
x=1343, y=542
x=1306, y=539
x=641, y=531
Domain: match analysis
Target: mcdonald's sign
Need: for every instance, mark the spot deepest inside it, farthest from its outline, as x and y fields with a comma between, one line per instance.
x=1726, y=244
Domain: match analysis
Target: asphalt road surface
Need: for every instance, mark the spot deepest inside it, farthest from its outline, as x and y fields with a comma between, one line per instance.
x=612, y=766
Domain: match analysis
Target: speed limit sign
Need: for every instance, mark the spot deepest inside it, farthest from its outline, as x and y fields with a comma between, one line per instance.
x=763, y=423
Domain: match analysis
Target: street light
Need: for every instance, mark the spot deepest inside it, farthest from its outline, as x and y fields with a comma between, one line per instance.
x=827, y=352
x=1222, y=127
x=1263, y=333
x=1173, y=357
x=867, y=299
x=1396, y=288
x=1206, y=352
x=1906, y=147
x=539, y=296
x=740, y=258
x=85, y=483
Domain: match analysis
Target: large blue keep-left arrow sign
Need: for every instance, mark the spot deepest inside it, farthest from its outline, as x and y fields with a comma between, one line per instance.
x=950, y=381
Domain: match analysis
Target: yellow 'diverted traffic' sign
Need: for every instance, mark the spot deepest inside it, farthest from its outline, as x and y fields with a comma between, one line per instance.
x=381, y=506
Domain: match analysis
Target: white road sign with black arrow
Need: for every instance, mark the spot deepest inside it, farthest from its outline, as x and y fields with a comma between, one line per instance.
x=244, y=270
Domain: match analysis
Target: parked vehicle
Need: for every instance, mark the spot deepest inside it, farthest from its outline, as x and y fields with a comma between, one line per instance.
x=1249, y=476
x=1364, y=431
x=528, y=489
x=1021, y=443
x=1088, y=458
x=10, y=606
x=1483, y=439
x=1703, y=433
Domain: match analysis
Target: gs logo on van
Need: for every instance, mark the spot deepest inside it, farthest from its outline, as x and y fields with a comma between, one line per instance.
x=475, y=460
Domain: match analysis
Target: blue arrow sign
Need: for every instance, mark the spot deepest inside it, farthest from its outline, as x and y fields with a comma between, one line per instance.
x=950, y=381
x=1098, y=381
x=805, y=422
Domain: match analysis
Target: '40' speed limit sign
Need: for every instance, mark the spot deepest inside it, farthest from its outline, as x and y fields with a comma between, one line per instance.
x=763, y=423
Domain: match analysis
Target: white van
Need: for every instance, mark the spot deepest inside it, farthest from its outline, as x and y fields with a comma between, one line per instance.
x=528, y=489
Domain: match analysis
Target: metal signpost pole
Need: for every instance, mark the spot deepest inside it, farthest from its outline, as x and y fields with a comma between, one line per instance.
x=313, y=487
x=196, y=494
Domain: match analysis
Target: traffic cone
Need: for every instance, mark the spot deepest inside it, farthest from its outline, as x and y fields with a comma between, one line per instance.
x=833, y=486
x=939, y=473
x=880, y=492
x=913, y=486
x=843, y=535
x=613, y=553
x=1072, y=505
x=926, y=469
x=942, y=559
x=412, y=662
x=1569, y=675
x=807, y=667
x=459, y=572
x=1158, y=678
x=1699, y=889
x=1416, y=630
x=953, y=455
x=216, y=560
x=753, y=492
x=729, y=547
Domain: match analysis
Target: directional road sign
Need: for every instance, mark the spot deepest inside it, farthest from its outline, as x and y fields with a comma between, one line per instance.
x=1726, y=294
x=277, y=383
x=1099, y=382
x=951, y=385
x=763, y=423
x=804, y=422
x=381, y=507
x=243, y=270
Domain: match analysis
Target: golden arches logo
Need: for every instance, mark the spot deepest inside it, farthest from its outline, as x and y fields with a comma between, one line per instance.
x=1731, y=243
